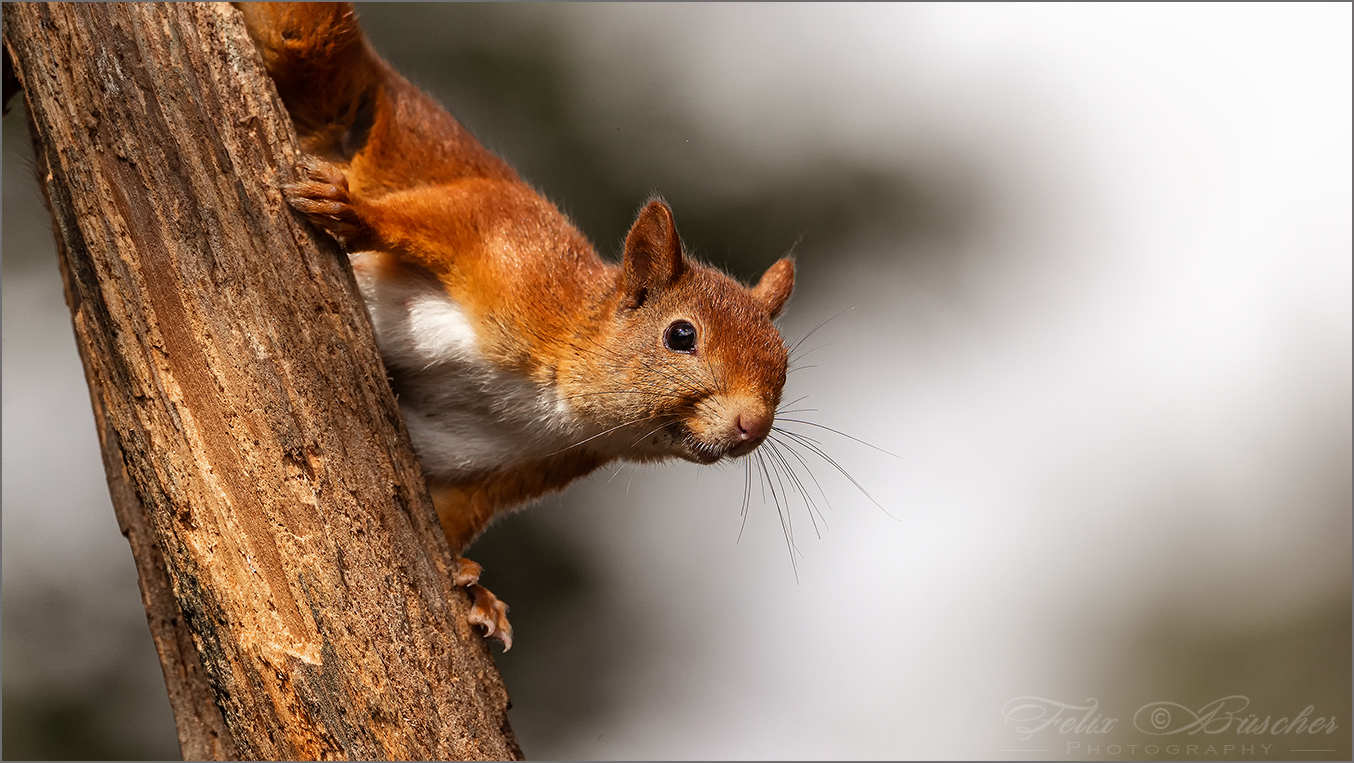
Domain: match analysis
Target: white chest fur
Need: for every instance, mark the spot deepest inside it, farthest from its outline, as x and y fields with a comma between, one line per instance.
x=465, y=415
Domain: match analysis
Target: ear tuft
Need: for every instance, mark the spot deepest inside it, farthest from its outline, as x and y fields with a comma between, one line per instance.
x=653, y=254
x=773, y=291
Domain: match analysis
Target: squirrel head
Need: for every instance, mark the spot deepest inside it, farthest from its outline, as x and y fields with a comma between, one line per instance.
x=688, y=363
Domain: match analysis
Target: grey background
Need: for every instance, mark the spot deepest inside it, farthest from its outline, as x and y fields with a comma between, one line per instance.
x=1098, y=262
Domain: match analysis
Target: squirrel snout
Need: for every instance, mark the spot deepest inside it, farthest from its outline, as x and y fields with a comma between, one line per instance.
x=730, y=428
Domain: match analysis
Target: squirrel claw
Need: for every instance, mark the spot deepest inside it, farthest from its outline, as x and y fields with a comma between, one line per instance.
x=485, y=609
x=491, y=613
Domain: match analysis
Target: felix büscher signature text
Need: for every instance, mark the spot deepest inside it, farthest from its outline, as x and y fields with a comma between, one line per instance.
x=1035, y=714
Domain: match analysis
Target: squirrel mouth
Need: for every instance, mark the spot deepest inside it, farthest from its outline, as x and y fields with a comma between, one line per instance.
x=702, y=452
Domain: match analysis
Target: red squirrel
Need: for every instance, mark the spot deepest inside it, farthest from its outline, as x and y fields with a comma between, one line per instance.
x=521, y=360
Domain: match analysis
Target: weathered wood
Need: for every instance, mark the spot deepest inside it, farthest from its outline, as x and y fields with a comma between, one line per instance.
x=201, y=729
x=234, y=375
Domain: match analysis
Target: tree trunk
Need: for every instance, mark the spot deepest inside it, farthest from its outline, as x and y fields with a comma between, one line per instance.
x=254, y=450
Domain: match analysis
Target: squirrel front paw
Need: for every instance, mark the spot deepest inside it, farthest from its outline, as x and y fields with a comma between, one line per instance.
x=322, y=196
x=485, y=608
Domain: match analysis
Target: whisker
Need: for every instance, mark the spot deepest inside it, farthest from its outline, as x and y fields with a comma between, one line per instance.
x=785, y=530
x=804, y=491
x=813, y=505
x=623, y=392
x=808, y=444
x=789, y=517
x=809, y=470
x=824, y=323
x=761, y=474
x=813, y=349
x=799, y=488
x=640, y=439
x=747, y=494
x=843, y=434
x=599, y=434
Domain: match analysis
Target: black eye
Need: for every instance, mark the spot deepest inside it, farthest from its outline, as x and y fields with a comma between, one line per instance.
x=680, y=337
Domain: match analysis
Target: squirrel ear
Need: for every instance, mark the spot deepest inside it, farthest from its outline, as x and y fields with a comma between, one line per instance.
x=653, y=254
x=773, y=291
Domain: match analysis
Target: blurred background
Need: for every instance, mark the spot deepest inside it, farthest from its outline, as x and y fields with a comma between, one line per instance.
x=1090, y=268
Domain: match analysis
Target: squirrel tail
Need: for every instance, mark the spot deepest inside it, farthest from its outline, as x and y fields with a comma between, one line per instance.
x=350, y=107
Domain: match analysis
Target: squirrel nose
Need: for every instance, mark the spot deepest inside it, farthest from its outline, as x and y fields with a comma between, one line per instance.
x=752, y=426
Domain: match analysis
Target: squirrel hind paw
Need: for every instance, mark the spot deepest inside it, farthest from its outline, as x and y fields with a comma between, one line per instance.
x=465, y=572
x=485, y=608
x=488, y=611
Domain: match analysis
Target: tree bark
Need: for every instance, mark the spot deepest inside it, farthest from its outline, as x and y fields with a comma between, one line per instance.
x=254, y=449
